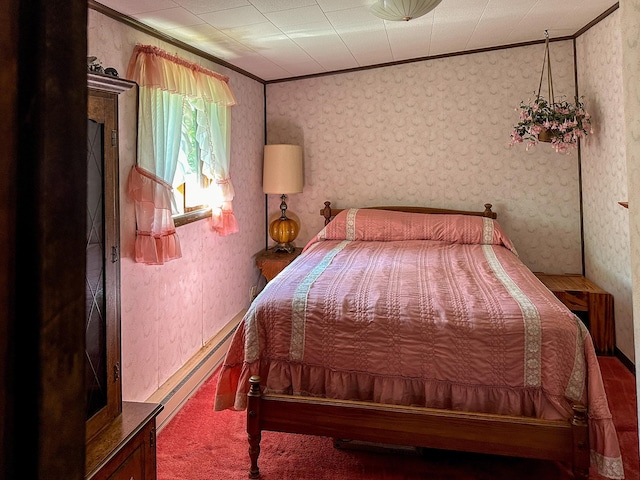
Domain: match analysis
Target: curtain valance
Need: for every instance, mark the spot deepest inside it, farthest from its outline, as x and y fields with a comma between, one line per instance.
x=151, y=66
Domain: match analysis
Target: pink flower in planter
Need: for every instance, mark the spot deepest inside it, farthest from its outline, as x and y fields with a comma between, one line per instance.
x=565, y=123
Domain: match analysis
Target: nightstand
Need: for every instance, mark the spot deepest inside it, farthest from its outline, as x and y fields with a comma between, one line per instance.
x=272, y=263
x=580, y=294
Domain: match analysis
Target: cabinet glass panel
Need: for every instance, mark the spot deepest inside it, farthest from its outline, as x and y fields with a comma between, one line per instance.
x=95, y=321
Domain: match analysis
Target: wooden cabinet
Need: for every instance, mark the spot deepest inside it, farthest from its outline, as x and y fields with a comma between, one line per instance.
x=126, y=448
x=581, y=295
x=120, y=437
x=272, y=263
x=102, y=320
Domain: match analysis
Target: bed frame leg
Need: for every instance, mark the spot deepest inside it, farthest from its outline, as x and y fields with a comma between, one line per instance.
x=581, y=457
x=254, y=432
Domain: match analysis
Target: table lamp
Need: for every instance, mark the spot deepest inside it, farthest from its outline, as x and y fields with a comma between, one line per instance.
x=282, y=175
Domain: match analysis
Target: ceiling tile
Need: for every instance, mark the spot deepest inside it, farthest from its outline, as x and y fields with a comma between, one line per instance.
x=322, y=43
x=410, y=39
x=139, y=6
x=197, y=33
x=296, y=16
x=169, y=18
x=266, y=6
x=368, y=46
x=234, y=17
x=496, y=22
x=258, y=34
x=284, y=51
x=261, y=67
x=353, y=16
x=206, y=6
x=228, y=49
x=333, y=5
x=454, y=24
x=309, y=30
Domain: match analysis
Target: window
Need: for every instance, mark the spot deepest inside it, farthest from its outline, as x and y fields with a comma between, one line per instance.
x=182, y=169
x=191, y=186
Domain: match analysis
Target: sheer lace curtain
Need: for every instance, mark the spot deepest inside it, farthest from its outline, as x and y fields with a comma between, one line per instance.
x=166, y=82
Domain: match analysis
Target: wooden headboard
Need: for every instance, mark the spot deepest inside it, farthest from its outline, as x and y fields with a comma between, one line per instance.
x=328, y=213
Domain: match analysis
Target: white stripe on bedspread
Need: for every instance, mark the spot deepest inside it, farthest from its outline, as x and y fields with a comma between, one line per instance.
x=299, y=303
x=351, y=224
x=576, y=384
x=530, y=318
x=487, y=231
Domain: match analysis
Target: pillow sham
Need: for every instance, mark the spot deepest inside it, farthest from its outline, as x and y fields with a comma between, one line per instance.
x=370, y=224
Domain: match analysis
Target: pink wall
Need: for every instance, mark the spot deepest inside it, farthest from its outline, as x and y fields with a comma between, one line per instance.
x=169, y=312
x=604, y=172
x=436, y=133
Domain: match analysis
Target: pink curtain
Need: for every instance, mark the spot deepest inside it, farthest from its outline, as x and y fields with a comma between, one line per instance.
x=223, y=220
x=151, y=66
x=156, y=70
x=156, y=239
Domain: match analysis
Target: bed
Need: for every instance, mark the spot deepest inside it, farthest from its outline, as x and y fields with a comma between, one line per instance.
x=419, y=327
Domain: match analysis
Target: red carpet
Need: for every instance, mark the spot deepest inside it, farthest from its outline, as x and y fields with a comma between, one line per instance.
x=200, y=444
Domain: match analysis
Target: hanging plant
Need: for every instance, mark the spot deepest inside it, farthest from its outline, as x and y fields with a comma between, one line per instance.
x=561, y=123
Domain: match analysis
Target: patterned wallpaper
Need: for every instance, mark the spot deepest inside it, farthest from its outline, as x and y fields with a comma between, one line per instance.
x=170, y=311
x=436, y=133
x=604, y=172
x=630, y=26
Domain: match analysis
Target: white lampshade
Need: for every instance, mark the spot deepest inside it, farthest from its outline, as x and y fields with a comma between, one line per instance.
x=282, y=172
x=406, y=10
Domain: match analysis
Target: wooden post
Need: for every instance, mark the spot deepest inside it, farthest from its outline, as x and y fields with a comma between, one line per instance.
x=488, y=212
x=580, y=429
x=326, y=212
x=253, y=424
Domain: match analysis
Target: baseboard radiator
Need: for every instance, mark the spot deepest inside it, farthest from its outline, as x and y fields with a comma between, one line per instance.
x=174, y=393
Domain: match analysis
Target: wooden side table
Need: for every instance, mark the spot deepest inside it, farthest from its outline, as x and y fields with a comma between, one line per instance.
x=580, y=294
x=272, y=263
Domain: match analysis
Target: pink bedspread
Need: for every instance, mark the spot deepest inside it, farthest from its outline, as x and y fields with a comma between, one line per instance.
x=436, y=312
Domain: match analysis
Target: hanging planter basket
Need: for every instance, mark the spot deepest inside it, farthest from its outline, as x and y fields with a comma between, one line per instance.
x=560, y=123
x=545, y=136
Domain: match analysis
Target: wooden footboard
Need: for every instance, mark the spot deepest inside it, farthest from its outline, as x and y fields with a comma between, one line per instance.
x=420, y=427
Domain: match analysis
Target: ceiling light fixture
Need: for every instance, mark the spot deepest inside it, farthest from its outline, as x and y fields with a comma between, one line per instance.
x=402, y=10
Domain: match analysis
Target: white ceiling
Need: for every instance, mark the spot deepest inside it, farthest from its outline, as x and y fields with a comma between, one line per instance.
x=278, y=39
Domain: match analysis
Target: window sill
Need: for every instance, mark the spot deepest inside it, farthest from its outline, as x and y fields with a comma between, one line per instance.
x=191, y=217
